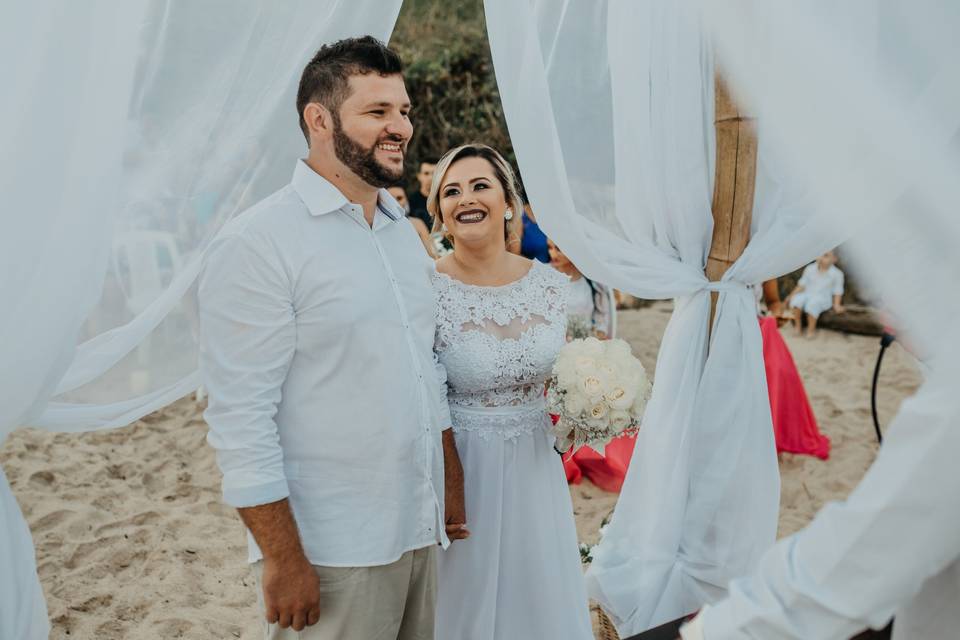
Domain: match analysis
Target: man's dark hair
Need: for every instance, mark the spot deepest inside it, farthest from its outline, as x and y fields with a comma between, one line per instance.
x=325, y=78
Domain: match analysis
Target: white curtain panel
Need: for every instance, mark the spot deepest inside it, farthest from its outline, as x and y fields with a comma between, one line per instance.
x=862, y=99
x=67, y=75
x=610, y=109
x=130, y=132
x=211, y=129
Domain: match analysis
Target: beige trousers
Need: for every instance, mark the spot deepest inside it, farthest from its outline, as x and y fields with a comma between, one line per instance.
x=389, y=602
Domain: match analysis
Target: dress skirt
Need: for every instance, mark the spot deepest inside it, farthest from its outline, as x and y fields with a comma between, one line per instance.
x=518, y=576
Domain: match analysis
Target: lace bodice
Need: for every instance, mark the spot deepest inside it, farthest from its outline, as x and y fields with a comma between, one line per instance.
x=498, y=344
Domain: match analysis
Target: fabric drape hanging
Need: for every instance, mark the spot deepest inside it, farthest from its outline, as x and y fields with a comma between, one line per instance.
x=131, y=132
x=68, y=71
x=862, y=99
x=208, y=133
x=610, y=109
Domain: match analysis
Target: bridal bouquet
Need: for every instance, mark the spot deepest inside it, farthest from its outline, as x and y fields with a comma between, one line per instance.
x=598, y=390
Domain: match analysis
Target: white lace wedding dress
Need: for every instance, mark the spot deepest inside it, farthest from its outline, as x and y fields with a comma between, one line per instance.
x=518, y=575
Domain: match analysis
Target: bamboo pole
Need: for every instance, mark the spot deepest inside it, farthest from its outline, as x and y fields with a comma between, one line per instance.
x=735, y=177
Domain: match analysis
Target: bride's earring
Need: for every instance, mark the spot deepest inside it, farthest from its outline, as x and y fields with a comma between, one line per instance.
x=508, y=215
x=443, y=226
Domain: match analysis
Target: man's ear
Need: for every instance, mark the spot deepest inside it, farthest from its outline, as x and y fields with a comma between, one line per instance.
x=319, y=121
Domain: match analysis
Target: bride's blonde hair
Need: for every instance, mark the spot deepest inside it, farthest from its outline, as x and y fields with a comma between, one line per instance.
x=504, y=174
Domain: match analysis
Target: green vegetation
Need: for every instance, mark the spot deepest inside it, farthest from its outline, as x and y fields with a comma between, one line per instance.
x=450, y=79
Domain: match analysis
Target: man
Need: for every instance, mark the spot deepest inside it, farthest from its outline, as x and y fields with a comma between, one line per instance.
x=326, y=406
x=418, y=201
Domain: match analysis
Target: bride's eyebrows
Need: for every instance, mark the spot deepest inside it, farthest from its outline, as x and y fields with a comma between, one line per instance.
x=472, y=180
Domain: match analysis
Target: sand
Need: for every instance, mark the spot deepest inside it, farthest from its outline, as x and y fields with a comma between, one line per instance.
x=133, y=542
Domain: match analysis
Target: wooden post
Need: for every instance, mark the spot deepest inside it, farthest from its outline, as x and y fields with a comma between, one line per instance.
x=736, y=174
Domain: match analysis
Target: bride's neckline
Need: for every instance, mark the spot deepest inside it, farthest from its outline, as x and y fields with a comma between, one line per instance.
x=491, y=287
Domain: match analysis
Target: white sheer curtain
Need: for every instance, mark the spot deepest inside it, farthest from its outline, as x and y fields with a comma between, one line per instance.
x=610, y=109
x=208, y=133
x=67, y=77
x=863, y=100
x=130, y=131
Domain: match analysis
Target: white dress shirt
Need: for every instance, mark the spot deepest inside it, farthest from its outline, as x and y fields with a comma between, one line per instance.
x=317, y=352
x=892, y=548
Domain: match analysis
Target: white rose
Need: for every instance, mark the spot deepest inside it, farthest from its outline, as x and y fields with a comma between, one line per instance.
x=619, y=420
x=574, y=404
x=617, y=349
x=585, y=366
x=591, y=386
x=620, y=398
x=598, y=411
x=566, y=376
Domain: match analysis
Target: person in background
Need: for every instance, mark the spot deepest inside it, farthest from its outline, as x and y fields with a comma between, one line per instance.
x=591, y=311
x=533, y=242
x=590, y=306
x=401, y=197
x=418, y=200
x=820, y=289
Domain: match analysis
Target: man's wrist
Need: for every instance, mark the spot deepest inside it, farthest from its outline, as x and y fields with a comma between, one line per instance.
x=291, y=558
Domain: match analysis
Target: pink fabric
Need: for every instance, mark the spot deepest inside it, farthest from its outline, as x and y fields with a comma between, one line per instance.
x=794, y=424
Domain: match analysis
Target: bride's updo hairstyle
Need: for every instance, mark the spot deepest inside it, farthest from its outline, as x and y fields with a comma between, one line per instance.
x=502, y=171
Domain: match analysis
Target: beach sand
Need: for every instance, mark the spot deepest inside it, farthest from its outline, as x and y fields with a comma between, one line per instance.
x=134, y=543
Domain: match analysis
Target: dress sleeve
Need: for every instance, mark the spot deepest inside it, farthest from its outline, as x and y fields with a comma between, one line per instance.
x=442, y=407
x=247, y=341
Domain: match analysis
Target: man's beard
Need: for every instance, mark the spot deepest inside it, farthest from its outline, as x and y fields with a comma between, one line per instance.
x=362, y=161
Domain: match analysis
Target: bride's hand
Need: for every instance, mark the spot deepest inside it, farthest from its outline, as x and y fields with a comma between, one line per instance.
x=455, y=511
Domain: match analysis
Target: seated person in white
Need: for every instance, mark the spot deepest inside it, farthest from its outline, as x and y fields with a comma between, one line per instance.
x=820, y=288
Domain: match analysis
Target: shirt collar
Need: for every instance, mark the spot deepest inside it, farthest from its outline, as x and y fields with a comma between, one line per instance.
x=321, y=197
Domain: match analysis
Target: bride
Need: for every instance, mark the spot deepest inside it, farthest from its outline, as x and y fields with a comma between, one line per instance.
x=501, y=322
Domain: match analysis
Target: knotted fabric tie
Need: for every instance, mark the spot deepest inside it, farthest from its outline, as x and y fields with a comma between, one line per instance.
x=726, y=286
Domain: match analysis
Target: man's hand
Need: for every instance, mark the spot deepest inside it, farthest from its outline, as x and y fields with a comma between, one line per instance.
x=291, y=590
x=455, y=517
x=291, y=593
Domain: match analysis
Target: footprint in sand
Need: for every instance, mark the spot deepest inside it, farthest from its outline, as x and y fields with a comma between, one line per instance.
x=42, y=480
x=52, y=520
x=139, y=520
x=92, y=604
x=172, y=627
